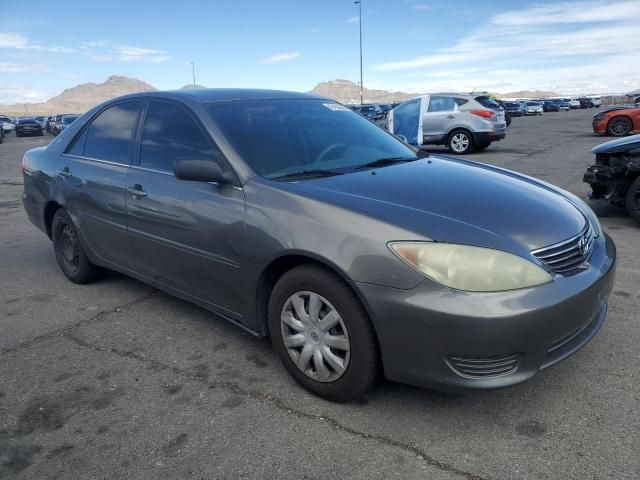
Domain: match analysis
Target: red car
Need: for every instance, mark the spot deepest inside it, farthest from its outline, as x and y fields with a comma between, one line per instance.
x=617, y=121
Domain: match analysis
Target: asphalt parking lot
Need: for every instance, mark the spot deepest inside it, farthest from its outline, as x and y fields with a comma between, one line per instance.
x=118, y=380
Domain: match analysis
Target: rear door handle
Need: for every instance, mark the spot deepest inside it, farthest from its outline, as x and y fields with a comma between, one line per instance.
x=65, y=172
x=137, y=191
x=451, y=116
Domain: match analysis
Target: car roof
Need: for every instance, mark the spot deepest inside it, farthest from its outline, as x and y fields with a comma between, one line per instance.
x=225, y=94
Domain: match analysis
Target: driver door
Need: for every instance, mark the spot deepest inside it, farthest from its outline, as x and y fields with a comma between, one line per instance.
x=185, y=235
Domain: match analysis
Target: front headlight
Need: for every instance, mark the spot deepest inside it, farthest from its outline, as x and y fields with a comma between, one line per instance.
x=473, y=269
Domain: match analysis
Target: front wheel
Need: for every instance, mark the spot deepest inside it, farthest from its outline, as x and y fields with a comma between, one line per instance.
x=322, y=334
x=460, y=142
x=633, y=200
x=70, y=254
x=619, y=126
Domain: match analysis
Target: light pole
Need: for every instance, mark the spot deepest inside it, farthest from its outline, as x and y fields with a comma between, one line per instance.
x=359, y=3
x=193, y=72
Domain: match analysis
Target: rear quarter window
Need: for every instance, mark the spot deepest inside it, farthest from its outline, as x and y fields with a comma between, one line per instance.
x=487, y=102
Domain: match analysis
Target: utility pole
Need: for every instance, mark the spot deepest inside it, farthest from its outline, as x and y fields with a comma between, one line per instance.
x=193, y=72
x=359, y=3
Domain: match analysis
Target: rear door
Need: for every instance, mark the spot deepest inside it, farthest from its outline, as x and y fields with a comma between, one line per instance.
x=441, y=115
x=91, y=177
x=185, y=235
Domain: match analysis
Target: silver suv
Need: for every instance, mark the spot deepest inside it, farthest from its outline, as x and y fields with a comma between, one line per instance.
x=461, y=121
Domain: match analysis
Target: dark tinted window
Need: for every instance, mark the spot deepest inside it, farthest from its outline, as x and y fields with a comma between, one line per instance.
x=68, y=119
x=77, y=148
x=487, y=102
x=460, y=101
x=441, y=104
x=23, y=121
x=109, y=135
x=171, y=134
x=278, y=137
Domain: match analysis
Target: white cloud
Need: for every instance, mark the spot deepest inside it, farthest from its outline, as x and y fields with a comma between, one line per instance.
x=422, y=6
x=101, y=58
x=137, y=54
x=20, y=42
x=10, y=94
x=542, y=45
x=18, y=68
x=281, y=57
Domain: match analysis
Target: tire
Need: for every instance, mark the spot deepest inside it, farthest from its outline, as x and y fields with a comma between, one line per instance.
x=632, y=200
x=70, y=254
x=619, y=126
x=457, y=143
x=361, y=361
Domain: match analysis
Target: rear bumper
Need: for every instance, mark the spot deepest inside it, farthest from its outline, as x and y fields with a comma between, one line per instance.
x=488, y=137
x=430, y=335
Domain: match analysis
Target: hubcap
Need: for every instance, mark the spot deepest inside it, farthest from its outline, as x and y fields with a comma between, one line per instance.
x=315, y=336
x=459, y=142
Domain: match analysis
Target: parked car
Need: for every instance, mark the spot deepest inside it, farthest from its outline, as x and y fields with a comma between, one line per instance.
x=27, y=126
x=616, y=174
x=563, y=105
x=53, y=123
x=385, y=107
x=574, y=103
x=550, y=106
x=515, y=109
x=597, y=101
x=1, y=134
x=617, y=121
x=372, y=112
x=47, y=124
x=40, y=121
x=461, y=121
x=7, y=124
x=63, y=123
x=585, y=102
x=294, y=217
x=533, y=108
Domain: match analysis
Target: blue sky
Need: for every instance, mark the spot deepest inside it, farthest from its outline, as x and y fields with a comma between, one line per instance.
x=581, y=46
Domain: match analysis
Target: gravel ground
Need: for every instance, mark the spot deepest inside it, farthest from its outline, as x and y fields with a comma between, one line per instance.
x=118, y=380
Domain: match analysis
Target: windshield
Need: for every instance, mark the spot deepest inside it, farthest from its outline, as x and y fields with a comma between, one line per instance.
x=532, y=104
x=284, y=136
x=26, y=120
x=68, y=119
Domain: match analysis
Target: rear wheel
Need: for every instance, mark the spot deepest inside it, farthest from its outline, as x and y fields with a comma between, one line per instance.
x=70, y=255
x=460, y=142
x=619, y=126
x=633, y=200
x=322, y=334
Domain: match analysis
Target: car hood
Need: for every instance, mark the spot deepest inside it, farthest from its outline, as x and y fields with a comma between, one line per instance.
x=450, y=200
x=619, y=145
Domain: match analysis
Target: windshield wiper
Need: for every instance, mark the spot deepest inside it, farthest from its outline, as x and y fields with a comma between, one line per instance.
x=383, y=162
x=307, y=174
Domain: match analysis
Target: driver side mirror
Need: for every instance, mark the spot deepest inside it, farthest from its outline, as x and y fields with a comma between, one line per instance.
x=201, y=171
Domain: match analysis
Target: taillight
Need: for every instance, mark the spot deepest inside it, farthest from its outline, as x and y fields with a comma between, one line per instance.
x=484, y=113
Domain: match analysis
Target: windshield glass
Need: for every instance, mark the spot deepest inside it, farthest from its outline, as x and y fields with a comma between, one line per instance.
x=285, y=136
x=68, y=119
x=26, y=120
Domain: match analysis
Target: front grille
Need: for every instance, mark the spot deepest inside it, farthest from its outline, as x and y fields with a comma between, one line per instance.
x=567, y=257
x=483, y=367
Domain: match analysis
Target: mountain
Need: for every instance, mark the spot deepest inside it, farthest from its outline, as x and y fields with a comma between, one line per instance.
x=82, y=97
x=191, y=86
x=346, y=91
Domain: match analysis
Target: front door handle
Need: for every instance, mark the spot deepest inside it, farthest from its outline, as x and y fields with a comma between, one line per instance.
x=451, y=116
x=137, y=191
x=65, y=172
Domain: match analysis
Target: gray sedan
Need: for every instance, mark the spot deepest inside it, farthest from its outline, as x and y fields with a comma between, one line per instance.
x=294, y=217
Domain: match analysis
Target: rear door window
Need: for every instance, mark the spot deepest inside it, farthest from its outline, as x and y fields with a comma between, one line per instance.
x=441, y=104
x=110, y=134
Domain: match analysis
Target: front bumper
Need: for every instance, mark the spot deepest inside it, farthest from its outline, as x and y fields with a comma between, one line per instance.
x=424, y=332
x=599, y=126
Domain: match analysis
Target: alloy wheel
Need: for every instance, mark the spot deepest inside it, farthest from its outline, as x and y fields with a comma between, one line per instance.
x=460, y=142
x=315, y=336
